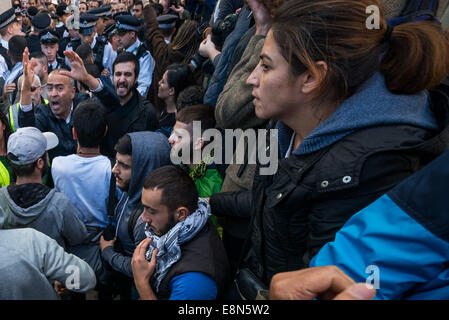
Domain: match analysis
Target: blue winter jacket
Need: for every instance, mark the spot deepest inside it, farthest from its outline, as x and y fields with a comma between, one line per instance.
x=399, y=243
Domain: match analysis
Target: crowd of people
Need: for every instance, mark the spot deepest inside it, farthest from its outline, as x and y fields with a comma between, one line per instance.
x=99, y=100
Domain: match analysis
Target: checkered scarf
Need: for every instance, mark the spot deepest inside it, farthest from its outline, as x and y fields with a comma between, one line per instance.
x=169, y=244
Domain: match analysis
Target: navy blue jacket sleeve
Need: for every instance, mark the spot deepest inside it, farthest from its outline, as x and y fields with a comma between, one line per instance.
x=107, y=96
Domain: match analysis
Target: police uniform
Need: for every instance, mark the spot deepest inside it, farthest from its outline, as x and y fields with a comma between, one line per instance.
x=40, y=22
x=49, y=36
x=69, y=44
x=104, y=55
x=6, y=18
x=30, y=13
x=167, y=21
x=127, y=23
x=104, y=12
x=61, y=29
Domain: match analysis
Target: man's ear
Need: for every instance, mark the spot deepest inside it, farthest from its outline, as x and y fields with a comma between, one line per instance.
x=73, y=92
x=40, y=163
x=181, y=214
x=75, y=137
x=312, y=80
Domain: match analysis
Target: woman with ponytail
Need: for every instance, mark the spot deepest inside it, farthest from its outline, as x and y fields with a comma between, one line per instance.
x=184, y=45
x=354, y=118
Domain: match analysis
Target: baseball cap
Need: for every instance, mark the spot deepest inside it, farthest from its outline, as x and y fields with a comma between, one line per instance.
x=28, y=144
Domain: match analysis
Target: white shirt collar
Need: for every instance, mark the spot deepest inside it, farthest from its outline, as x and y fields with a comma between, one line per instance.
x=4, y=44
x=134, y=46
x=95, y=41
x=69, y=117
x=54, y=65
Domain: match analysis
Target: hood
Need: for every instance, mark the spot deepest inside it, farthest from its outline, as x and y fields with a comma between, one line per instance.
x=151, y=150
x=372, y=105
x=11, y=215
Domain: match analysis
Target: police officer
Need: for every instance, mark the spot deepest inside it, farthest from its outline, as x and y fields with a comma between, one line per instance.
x=26, y=19
x=167, y=23
x=72, y=42
x=104, y=55
x=40, y=22
x=9, y=27
x=104, y=15
x=127, y=26
x=63, y=13
x=49, y=46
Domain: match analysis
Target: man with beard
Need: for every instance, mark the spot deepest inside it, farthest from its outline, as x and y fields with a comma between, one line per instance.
x=138, y=154
x=205, y=174
x=186, y=258
x=127, y=110
x=127, y=30
x=55, y=116
x=29, y=203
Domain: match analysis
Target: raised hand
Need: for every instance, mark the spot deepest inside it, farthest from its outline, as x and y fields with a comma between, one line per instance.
x=78, y=71
x=27, y=79
x=261, y=16
x=28, y=71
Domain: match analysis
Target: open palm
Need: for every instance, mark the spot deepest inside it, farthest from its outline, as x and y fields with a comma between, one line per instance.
x=78, y=71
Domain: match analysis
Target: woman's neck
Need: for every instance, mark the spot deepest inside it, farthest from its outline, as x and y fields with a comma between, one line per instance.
x=170, y=105
x=305, y=119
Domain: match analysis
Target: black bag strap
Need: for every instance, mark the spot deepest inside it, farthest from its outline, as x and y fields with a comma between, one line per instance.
x=134, y=216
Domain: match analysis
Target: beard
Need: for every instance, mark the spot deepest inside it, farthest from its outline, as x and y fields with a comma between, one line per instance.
x=167, y=227
x=123, y=90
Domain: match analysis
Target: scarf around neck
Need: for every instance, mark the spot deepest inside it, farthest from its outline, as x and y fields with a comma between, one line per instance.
x=169, y=244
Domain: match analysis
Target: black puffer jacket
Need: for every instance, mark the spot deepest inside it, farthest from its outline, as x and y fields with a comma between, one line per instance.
x=300, y=208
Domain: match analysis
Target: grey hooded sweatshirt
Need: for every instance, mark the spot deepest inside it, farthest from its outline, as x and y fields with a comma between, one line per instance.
x=54, y=216
x=150, y=150
x=30, y=261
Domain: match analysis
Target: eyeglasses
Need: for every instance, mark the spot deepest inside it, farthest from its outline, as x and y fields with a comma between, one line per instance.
x=33, y=88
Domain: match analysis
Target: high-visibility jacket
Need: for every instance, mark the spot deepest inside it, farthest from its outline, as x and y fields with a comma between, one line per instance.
x=4, y=176
x=14, y=116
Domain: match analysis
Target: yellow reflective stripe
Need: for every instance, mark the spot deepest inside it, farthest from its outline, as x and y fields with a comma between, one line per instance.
x=11, y=119
x=4, y=175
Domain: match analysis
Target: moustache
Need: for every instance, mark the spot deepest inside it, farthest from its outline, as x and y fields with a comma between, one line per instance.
x=122, y=85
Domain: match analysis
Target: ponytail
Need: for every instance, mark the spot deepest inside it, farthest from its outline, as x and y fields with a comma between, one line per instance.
x=417, y=58
x=413, y=57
